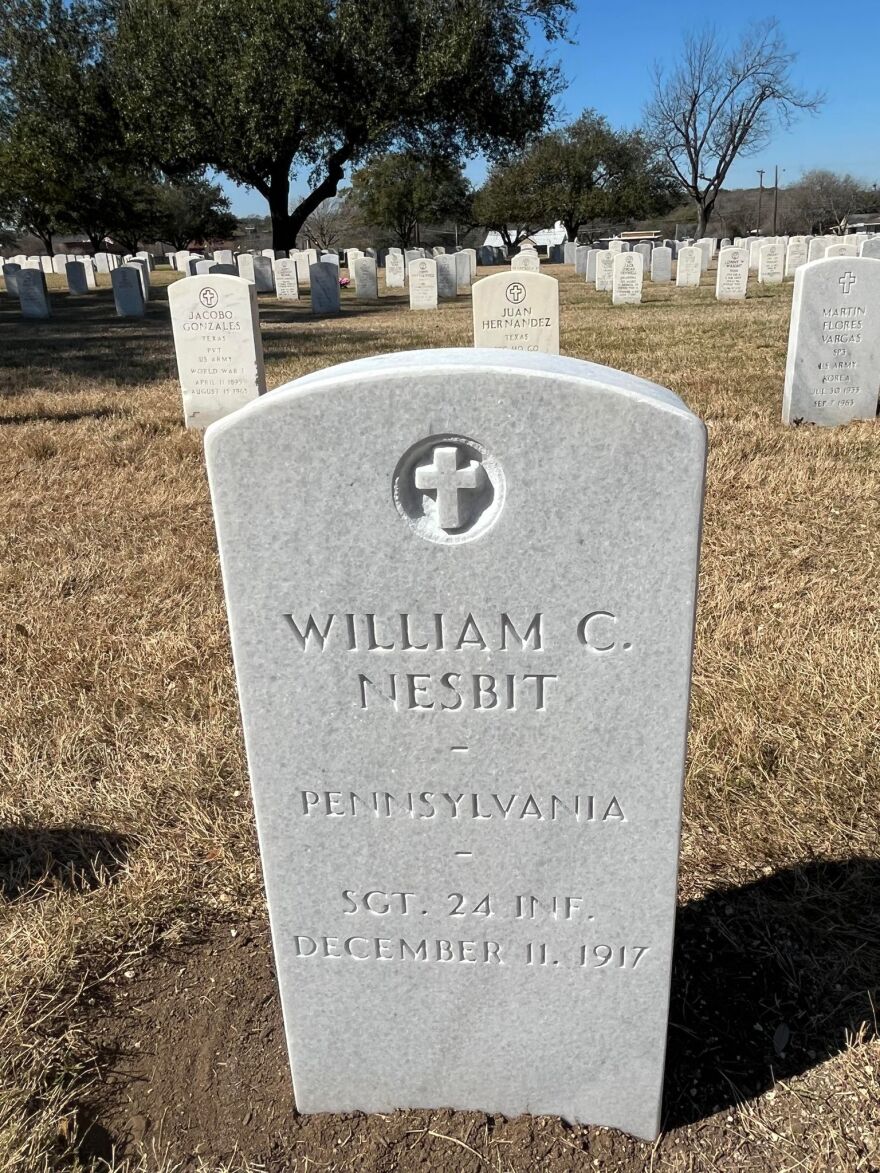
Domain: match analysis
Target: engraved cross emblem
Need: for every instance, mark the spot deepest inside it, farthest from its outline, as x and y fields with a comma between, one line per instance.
x=444, y=478
x=846, y=282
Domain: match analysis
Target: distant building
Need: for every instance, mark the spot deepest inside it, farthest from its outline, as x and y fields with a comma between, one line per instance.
x=863, y=222
x=542, y=239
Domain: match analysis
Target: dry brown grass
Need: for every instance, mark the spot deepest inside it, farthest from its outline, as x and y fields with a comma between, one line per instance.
x=124, y=812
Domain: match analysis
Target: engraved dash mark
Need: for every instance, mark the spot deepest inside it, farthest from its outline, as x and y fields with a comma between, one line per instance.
x=464, y=853
x=458, y=749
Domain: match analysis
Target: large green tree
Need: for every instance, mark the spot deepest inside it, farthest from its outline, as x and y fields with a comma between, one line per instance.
x=508, y=204
x=581, y=173
x=193, y=210
x=55, y=114
x=401, y=191
x=269, y=90
x=588, y=172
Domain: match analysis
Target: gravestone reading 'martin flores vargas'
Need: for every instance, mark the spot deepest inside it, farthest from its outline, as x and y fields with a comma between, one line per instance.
x=219, y=350
x=467, y=763
x=832, y=373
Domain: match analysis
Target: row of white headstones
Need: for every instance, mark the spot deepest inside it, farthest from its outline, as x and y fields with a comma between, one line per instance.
x=832, y=371
x=832, y=374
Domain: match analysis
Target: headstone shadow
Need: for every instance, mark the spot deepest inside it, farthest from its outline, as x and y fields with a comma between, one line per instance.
x=38, y=860
x=769, y=979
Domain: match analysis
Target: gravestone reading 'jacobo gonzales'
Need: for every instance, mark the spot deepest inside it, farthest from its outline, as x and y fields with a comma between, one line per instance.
x=517, y=311
x=467, y=763
x=832, y=374
x=217, y=340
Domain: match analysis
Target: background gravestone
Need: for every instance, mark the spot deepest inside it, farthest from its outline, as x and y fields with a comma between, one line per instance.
x=462, y=636
x=32, y=296
x=324, y=280
x=128, y=291
x=218, y=345
x=263, y=278
x=689, y=266
x=626, y=278
x=10, y=277
x=604, y=270
x=661, y=265
x=394, y=271
x=422, y=274
x=771, y=264
x=366, y=279
x=732, y=275
x=832, y=372
x=246, y=267
x=526, y=261
x=447, y=281
x=75, y=272
x=517, y=311
x=286, y=286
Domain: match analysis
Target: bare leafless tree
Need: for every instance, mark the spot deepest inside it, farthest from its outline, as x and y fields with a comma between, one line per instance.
x=719, y=103
x=824, y=200
x=331, y=223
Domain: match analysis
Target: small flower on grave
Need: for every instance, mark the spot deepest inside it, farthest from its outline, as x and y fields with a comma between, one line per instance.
x=344, y=282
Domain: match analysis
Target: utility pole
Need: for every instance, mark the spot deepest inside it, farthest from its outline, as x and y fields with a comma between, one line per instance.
x=775, y=194
x=760, y=199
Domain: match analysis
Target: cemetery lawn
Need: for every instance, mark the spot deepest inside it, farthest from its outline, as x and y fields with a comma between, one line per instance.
x=138, y=1013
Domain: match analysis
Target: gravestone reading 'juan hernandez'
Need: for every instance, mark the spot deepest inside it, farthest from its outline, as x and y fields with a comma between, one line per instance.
x=517, y=311
x=219, y=350
x=467, y=762
x=832, y=373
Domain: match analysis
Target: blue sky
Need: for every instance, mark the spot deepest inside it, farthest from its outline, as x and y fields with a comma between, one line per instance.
x=609, y=68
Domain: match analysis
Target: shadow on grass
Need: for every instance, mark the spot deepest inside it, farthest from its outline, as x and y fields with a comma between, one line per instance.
x=37, y=860
x=84, y=338
x=62, y=417
x=769, y=980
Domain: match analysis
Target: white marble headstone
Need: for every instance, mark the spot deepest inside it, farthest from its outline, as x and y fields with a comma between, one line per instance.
x=832, y=373
x=286, y=285
x=517, y=311
x=366, y=279
x=395, y=272
x=771, y=264
x=75, y=271
x=661, y=265
x=422, y=273
x=217, y=341
x=128, y=291
x=605, y=270
x=528, y=261
x=462, y=633
x=626, y=278
x=10, y=278
x=689, y=266
x=324, y=279
x=463, y=272
x=447, y=281
x=732, y=275
x=33, y=299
